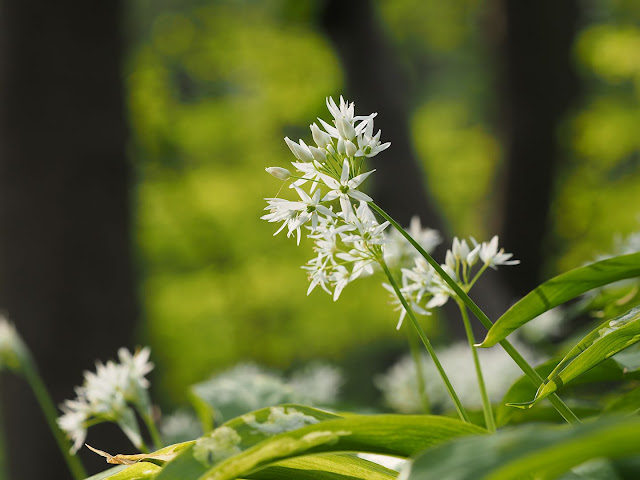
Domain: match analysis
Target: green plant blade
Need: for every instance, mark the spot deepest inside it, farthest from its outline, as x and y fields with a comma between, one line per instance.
x=137, y=471
x=187, y=467
x=529, y=451
x=560, y=289
x=523, y=390
x=606, y=340
x=324, y=467
x=398, y=435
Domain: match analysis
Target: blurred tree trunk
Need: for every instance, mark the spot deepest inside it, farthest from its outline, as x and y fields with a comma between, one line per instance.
x=378, y=84
x=538, y=84
x=65, y=241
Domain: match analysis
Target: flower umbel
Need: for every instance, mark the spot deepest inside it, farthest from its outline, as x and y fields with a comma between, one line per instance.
x=109, y=395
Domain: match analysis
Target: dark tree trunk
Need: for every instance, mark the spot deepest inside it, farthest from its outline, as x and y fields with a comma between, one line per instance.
x=537, y=86
x=376, y=81
x=65, y=241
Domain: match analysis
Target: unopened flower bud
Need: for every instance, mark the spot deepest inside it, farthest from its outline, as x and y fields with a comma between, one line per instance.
x=321, y=138
x=279, y=172
x=350, y=148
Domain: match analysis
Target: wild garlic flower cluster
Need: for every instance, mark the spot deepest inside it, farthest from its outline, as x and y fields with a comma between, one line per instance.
x=108, y=395
x=424, y=289
x=347, y=240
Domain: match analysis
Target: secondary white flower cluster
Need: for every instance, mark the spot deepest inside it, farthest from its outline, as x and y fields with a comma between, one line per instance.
x=424, y=289
x=347, y=240
x=108, y=395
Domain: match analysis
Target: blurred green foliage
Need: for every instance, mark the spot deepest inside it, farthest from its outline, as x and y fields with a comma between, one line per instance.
x=214, y=86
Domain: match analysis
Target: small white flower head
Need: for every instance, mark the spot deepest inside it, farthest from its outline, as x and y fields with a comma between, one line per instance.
x=107, y=395
x=369, y=144
x=73, y=422
x=219, y=445
x=12, y=348
x=279, y=172
x=180, y=426
x=317, y=384
x=399, y=307
x=398, y=251
x=242, y=389
x=346, y=188
x=493, y=257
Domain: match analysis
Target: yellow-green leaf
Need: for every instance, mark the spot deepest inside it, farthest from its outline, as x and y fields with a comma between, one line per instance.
x=560, y=289
x=606, y=340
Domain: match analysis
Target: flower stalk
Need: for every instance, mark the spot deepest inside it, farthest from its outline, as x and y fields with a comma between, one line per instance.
x=50, y=413
x=557, y=403
x=427, y=344
x=487, y=410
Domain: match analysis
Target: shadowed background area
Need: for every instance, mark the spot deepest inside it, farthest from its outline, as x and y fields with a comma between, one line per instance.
x=133, y=141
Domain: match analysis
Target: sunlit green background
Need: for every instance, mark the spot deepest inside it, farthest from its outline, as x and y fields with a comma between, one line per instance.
x=213, y=87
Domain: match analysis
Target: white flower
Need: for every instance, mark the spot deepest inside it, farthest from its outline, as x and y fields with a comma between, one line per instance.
x=310, y=172
x=490, y=255
x=369, y=144
x=180, y=426
x=346, y=188
x=278, y=172
x=340, y=277
x=398, y=250
x=73, y=422
x=313, y=207
x=106, y=394
x=317, y=384
x=300, y=151
x=399, y=307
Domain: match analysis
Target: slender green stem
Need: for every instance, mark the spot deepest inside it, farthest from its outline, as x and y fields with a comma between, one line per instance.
x=153, y=430
x=50, y=413
x=486, y=403
x=423, y=336
x=558, y=404
x=420, y=377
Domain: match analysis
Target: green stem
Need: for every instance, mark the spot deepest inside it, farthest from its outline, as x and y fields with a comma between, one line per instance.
x=50, y=413
x=423, y=336
x=486, y=403
x=558, y=404
x=153, y=430
x=414, y=347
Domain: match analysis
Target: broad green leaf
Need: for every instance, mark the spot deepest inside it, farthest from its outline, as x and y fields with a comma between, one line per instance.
x=529, y=451
x=138, y=466
x=186, y=466
x=560, y=289
x=606, y=340
x=137, y=471
x=524, y=389
x=628, y=404
x=106, y=473
x=398, y=435
x=324, y=467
